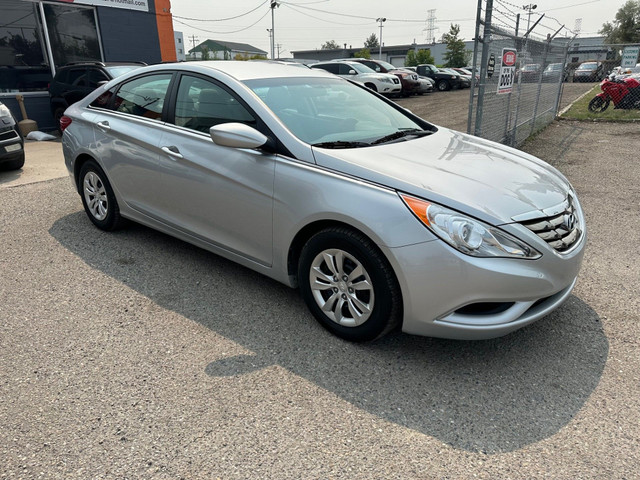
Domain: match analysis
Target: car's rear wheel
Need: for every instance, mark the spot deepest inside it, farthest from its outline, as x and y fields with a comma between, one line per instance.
x=348, y=285
x=98, y=199
x=443, y=85
x=57, y=115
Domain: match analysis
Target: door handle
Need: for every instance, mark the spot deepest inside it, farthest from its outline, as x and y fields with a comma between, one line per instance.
x=104, y=125
x=172, y=151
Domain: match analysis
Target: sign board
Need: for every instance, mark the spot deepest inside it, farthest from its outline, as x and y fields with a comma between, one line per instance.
x=491, y=65
x=630, y=57
x=507, y=70
x=141, y=5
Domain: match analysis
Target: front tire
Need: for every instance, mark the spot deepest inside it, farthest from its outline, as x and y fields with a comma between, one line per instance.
x=98, y=199
x=598, y=105
x=14, y=164
x=443, y=85
x=348, y=285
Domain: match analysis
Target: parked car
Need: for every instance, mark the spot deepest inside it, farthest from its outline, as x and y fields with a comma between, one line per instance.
x=426, y=84
x=443, y=81
x=464, y=81
x=74, y=81
x=378, y=82
x=466, y=73
x=409, y=80
x=589, y=72
x=554, y=72
x=530, y=73
x=11, y=141
x=381, y=218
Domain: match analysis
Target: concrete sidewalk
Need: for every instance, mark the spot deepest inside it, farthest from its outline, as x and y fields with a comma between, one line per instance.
x=44, y=161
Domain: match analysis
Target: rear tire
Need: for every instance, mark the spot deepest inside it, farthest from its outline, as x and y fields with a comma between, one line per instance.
x=348, y=285
x=598, y=105
x=98, y=198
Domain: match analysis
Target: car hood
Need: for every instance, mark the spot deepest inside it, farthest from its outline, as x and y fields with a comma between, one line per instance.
x=487, y=180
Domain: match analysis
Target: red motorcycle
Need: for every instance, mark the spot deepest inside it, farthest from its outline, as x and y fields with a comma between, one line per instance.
x=625, y=93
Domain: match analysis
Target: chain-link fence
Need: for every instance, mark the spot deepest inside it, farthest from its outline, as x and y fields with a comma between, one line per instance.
x=520, y=75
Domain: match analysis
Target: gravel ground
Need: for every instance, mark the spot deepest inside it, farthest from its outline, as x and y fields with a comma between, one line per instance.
x=134, y=355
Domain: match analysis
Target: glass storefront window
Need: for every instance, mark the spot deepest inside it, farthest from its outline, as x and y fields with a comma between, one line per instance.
x=23, y=65
x=72, y=33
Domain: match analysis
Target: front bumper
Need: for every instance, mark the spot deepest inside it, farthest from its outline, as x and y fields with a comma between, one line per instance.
x=441, y=288
x=11, y=145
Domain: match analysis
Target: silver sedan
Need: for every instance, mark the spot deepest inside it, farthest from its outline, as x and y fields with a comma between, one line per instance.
x=380, y=218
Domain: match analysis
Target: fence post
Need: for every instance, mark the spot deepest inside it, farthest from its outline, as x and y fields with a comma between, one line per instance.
x=486, y=41
x=474, y=68
x=535, y=107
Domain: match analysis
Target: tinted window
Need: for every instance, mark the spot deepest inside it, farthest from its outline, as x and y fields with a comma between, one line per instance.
x=144, y=96
x=330, y=67
x=73, y=33
x=345, y=69
x=95, y=77
x=103, y=101
x=77, y=77
x=201, y=104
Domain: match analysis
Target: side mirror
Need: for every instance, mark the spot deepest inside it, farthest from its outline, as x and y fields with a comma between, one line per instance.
x=237, y=135
x=352, y=72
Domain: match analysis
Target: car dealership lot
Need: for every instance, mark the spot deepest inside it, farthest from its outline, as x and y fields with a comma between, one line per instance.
x=135, y=355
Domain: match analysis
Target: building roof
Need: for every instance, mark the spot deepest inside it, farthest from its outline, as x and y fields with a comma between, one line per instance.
x=218, y=45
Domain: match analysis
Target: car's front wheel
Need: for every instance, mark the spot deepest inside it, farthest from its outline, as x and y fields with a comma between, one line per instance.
x=443, y=85
x=97, y=197
x=348, y=285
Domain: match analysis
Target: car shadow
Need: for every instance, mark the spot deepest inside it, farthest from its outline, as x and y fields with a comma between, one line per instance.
x=485, y=396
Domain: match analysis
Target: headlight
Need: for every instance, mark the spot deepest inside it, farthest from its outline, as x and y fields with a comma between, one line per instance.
x=466, y=234
x=386, y=80
x=4, y=110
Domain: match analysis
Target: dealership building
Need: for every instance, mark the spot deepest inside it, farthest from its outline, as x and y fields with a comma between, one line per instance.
x=37, y=37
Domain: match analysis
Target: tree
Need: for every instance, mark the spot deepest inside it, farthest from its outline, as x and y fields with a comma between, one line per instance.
x=205, y=53
x=364, y=53
x=371, y=42
x=626, y=26
x=419, y=57
x=456, y=55
x=330, y=45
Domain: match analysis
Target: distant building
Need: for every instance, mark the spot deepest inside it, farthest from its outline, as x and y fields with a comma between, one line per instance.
x=219, y=50
x=181, y=54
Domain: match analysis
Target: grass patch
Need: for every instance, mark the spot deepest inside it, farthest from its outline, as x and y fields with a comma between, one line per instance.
x=580, y=111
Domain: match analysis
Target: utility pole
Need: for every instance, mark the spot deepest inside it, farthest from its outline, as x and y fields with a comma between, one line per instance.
x=193, y=39
x=381, y=20
x=274, y=4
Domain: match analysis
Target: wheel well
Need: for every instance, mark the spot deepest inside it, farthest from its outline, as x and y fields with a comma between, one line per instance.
x=371, y=86
x=77, y=166
x=309, y=231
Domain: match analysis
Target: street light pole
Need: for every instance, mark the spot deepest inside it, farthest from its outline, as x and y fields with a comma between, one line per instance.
x=381, y=20
x=274, y=4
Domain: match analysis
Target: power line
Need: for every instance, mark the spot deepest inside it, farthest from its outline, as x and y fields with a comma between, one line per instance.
x=221, y=19
x=225, y=33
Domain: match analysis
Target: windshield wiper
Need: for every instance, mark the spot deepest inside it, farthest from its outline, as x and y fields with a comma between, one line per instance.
x=402, y=133
x=340, y=144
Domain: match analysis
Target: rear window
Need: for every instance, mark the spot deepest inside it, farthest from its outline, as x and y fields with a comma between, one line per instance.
x=120, y=70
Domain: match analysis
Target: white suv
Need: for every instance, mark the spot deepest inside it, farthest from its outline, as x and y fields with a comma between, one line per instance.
x=380, y=82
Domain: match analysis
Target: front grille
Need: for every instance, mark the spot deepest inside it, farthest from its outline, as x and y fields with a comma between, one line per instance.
x=561, y=230
x=396, y=80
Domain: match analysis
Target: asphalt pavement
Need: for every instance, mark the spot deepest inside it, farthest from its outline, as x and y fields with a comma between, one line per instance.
x=134, y=355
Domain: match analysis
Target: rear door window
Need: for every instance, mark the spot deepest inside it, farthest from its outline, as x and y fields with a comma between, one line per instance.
x=143, y=96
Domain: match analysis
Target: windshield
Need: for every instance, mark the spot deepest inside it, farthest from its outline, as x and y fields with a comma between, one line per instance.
x=360, y=68
x=387, y=65
x=121, y=70
x=588, y=66
x=321, y=110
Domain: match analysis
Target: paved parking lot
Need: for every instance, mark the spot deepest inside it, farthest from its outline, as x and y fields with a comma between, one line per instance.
x=134, y=355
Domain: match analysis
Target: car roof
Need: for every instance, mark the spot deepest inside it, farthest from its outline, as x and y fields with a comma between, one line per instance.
x=241, y=70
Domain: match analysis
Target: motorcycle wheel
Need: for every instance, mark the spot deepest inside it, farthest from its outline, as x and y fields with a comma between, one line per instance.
x=598, y=105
